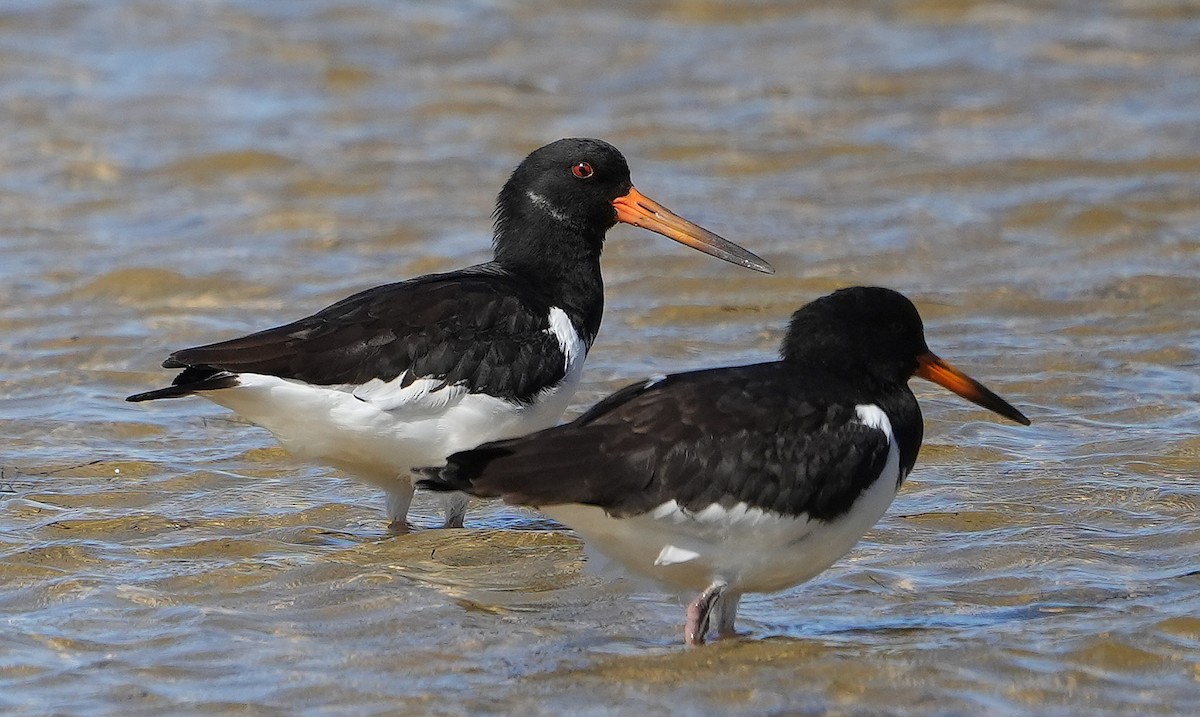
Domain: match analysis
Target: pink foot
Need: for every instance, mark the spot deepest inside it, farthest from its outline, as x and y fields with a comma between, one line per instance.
x=698, y=612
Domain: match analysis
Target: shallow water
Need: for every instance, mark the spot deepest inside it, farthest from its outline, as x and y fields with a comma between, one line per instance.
x=174, y=173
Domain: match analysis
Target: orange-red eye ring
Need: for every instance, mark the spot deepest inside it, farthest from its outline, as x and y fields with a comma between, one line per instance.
x=583, y=170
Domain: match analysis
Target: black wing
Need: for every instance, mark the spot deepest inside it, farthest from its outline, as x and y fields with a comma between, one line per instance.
x=482, y=328
x=750, y=434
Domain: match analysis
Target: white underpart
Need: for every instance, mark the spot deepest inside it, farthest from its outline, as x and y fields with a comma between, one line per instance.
x=751, y=549
x=671, y=555
x=544, y=204
x=380, y=430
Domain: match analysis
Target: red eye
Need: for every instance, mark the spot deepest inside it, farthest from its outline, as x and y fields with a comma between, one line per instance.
x=583, y=170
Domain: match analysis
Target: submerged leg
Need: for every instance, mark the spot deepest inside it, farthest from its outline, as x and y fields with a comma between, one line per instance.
x=455, y=505
x=699, y=612
x=399, y=498
x=726, y=609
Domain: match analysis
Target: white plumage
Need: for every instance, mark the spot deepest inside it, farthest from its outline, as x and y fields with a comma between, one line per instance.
x=378, y=431
x=749, y=549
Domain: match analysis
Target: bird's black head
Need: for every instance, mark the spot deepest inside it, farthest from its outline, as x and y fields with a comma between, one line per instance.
x=878, y=332
x=861, y=328
x=571, y=182
x=563, y=197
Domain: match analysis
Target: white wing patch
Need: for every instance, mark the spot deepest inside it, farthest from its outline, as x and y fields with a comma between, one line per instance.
x=664, y=510
x=670, y=555
x=714, y=514
x=424, y=393
x=740, y=514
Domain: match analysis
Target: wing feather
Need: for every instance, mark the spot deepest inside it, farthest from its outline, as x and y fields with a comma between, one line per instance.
x=471, y=328
x=747, y=434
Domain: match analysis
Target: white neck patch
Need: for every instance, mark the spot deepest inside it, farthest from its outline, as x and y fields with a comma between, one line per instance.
x=874, y=417
x=573, y=347
x=544, y=204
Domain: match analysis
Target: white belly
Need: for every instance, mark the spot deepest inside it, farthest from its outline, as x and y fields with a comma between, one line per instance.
x=750, y=549
x=380, y=431
x=381, y=446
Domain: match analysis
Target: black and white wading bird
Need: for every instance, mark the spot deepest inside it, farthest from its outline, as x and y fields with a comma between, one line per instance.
x=742, y=479
x=404, y=374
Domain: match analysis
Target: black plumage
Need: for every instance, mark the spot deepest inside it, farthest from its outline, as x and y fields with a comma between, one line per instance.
x=743, y=479
x=482, y=328
x=765, y=435
x=514, y=330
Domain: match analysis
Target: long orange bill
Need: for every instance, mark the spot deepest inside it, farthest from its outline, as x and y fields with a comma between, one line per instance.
x=932, y=368
x=641, y=211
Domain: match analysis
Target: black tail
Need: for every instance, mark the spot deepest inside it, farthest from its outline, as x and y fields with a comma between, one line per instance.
x=462, y=470
x=193, y=378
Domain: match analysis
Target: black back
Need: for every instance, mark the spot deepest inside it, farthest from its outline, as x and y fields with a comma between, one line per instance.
x=782, y=436
x=767, y=435
x=481, y=327
x=486, y=327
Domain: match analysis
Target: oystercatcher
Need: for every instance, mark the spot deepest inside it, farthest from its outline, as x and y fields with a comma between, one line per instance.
x=404, y=374
x=742, y=479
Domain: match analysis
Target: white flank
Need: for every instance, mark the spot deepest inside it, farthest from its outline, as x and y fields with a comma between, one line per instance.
x=669, y=508
x=751, y=549
x=378, y=431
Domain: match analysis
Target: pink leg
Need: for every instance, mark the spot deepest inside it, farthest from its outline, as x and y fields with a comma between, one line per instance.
x=726, y=614
x=399, y=498
x=455, y=506
x=698, y=612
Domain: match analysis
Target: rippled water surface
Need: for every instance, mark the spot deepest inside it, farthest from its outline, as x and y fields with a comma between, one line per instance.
x=174, y=173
